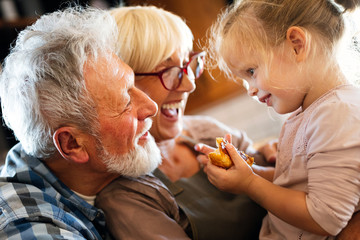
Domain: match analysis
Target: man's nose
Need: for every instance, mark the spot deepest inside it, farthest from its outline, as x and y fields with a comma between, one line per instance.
x=146, y=106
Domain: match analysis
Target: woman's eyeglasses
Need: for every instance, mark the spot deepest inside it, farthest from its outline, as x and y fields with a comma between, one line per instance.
x=171, y=77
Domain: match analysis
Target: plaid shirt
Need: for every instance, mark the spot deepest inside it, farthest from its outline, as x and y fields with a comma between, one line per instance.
x=35, y=204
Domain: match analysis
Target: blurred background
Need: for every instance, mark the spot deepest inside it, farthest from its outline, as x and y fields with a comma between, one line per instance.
x=215, y=96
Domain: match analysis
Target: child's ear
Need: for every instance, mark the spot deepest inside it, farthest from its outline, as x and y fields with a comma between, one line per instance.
x=69, y=143
x=299, y=42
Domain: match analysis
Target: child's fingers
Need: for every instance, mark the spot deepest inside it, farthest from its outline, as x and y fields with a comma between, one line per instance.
x=269, y=150
x=203, y=159
x=216, y=176
x=234, y=155
x=203, y=148
x=228, y=137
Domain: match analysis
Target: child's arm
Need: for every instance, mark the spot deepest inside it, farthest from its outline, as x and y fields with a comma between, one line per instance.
x=288, y=205
x=352, y=230
x=265, y=172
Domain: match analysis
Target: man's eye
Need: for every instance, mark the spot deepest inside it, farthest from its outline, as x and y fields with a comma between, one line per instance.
x=127, y=106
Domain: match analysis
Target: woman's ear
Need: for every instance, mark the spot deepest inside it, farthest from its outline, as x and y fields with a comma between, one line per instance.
x=69, y=143
x=299, y=41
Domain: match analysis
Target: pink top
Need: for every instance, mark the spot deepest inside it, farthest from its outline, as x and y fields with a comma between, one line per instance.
x=319, y=153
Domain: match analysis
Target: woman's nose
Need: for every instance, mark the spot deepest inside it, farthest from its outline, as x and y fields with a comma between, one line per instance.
x=187, y=84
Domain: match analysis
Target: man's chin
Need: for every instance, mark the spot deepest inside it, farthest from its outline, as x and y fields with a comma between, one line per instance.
x=140, y=161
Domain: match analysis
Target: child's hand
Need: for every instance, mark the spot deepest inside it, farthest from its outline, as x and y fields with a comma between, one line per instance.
x=269, y=150
x=203, y=158
x=205, y=149
x=234, y=179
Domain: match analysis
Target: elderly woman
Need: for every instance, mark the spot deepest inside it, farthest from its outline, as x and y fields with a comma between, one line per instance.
x=158, y=45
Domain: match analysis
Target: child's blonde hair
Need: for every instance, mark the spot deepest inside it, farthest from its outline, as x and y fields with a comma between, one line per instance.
x=149, y=35
x=263, y=24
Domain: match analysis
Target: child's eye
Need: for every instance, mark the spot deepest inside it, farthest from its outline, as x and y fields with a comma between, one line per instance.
x=251, y=71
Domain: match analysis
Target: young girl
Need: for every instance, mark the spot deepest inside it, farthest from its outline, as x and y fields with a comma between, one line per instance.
x=286, y=52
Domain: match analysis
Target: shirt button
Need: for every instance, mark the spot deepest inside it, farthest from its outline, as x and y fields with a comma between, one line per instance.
x=100, y=216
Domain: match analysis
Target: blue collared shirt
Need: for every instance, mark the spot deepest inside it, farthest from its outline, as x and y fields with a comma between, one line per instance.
x=35, y=204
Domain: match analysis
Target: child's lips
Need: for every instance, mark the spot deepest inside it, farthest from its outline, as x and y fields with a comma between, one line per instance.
x=265, y=99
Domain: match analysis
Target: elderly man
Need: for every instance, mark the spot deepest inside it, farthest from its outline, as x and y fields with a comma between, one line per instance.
x=80, y=121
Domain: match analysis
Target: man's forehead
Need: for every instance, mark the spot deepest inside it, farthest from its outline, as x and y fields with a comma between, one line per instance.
x=107, y=70
x=106, y=75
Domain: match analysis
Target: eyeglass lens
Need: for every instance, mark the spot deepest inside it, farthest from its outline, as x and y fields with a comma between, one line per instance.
x=173, y=76
x=197, y=66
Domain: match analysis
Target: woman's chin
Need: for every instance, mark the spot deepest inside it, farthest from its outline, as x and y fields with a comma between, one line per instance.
x=169, y=133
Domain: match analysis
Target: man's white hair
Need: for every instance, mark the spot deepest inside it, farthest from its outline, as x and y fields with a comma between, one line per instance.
x=42, y=85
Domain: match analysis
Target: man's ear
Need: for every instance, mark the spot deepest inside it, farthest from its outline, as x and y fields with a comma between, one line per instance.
x=68, y=142
x=299, y=41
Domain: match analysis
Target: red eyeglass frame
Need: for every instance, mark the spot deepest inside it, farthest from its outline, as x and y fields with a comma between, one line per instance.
x=183, y=70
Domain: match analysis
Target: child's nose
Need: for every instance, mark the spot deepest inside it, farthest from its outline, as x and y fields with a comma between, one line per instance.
x=252, y=91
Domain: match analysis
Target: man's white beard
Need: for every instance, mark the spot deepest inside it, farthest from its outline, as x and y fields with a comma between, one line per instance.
x=139, y=161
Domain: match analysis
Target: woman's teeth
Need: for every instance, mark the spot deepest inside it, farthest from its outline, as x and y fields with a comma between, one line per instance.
x=172, y=110
x=176, y=105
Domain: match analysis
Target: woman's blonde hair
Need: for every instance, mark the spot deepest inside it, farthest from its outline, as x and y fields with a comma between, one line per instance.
x=149, y=35
x=262, y=25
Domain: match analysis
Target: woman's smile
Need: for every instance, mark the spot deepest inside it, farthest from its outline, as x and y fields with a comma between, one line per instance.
x=171, y=110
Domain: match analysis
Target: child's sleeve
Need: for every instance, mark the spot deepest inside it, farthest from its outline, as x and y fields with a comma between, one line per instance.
x=333, y=165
